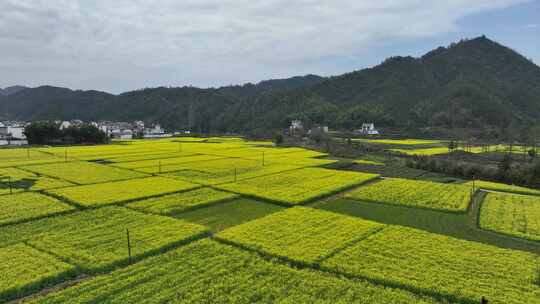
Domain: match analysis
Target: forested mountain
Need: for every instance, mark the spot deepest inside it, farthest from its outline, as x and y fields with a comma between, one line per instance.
x=474, y=83
x=11, y=90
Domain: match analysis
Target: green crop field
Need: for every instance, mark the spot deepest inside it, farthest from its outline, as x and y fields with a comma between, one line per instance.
x=302, y=234
x=513, y=214
x=228, y=214
x=227, y=220
x=30, y=205
x=97, y=239
x=405, y=142
x=209, y=272
x=83, y=172
x=502, y=187
x=122, y=191
x=179, y=202
x=415, y=193
x=442, y=266
x=25, y=269
x=162, y=165
x=16, y=180
x=299, y=186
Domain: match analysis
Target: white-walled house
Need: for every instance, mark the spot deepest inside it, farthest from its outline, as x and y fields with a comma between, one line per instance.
x=13, y=131
x=368, y=129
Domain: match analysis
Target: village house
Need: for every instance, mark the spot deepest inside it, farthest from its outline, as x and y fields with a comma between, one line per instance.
x=368, y=129
x=12, y=130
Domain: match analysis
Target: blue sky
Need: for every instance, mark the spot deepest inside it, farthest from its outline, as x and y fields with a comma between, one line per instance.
x=125, y=45
x=517, y=27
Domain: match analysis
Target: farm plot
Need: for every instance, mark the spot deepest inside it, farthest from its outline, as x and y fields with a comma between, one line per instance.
x=298, y=186
x=97, y=152
x=19, y=157
x=227, y=170
x=425, y=151
x=122, y=191
x=84, y=172
x=144, y=156
x=401, y=142
x=166, y=164
x=16, y=180
x=96, y=239
x=179, y=202
x=30, y=205
x=302, y=234
x=209, y=272
x=231, y=213
x=449, y=268
x=513, y=214
x=25, y=269
x=502, y=187
x=423, y=194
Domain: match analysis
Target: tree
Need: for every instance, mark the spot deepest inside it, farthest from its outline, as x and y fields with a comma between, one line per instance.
x=42, y=132
x=49, y=132
x=278, y=140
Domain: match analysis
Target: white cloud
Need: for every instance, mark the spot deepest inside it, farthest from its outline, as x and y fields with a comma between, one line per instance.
x=123, y=44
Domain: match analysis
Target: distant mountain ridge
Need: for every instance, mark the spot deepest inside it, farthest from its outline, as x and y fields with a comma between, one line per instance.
x=11, y=90
x=472, y=83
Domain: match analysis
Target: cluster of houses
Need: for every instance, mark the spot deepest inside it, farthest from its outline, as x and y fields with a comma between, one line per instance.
x=123, y=130
x=12, y=132
x=297, y=127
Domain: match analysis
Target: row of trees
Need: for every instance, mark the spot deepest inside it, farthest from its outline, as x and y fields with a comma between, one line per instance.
x=507, y=171
x=50, y=133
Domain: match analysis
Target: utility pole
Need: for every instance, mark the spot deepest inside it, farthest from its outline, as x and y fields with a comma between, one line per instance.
x=128, y=244
x=10, y=187
x=263, y=159
x=235, y=175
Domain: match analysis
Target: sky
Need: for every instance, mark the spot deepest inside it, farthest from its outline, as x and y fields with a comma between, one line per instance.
x=123, y=45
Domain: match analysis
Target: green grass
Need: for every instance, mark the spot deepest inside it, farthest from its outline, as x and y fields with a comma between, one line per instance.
x=300, y=234
x=442, y=266
x=224, y=215
x=413, y=193
x=25, y=269
x=512, y=214
x=299, y=186
x=96, y=239
x=209, y=272
x=457, y=225
x=122, y=191
x=84, y=172
x=30, y=205
x=180, y=202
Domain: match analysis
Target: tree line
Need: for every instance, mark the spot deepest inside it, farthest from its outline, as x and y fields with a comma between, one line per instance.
x=50, y=133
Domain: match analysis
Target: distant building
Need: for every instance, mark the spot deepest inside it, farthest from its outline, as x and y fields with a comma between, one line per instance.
x=368, y=129
x=122, y=134
x=12, y=130
x=296, y=127
x=64, y=125
x=156, y=129
x=318, y=130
